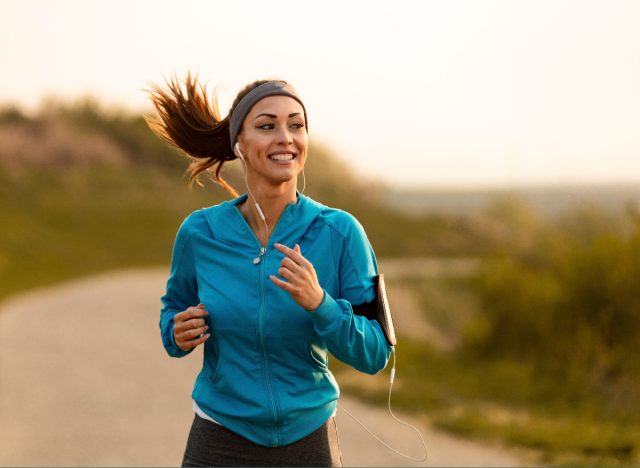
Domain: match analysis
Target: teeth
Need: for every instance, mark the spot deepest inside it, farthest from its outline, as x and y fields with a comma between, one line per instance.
x=282, y=157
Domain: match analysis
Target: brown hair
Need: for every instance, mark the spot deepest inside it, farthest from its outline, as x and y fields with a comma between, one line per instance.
x=188, y=120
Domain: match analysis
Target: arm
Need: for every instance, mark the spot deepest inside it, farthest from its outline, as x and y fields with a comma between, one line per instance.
x=181, y=291
x=352, y=338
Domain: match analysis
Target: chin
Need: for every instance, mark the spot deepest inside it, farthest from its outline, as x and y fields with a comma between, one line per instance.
x=287, y=173
x=283, y=179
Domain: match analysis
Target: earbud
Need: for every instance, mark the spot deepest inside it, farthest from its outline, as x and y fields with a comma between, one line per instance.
x=236, y=150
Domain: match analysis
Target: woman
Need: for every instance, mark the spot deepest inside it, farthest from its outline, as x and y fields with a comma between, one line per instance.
x=267, y=281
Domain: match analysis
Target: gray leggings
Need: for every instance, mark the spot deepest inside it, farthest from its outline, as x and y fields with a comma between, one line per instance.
x=211, y=444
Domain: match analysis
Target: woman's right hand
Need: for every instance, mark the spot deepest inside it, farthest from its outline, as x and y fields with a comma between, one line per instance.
x=189, y=327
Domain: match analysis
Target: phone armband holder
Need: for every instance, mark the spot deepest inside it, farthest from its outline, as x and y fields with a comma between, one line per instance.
x=379, y=310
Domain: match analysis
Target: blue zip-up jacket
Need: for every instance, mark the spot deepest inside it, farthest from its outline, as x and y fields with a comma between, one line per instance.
x=265, y=373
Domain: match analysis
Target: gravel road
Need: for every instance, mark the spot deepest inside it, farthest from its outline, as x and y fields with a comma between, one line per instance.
x=84, y=380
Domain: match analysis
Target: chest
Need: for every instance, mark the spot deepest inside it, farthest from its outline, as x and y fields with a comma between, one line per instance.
x=238, y=293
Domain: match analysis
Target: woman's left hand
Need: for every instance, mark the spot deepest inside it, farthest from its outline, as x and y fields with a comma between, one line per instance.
x=302, y=281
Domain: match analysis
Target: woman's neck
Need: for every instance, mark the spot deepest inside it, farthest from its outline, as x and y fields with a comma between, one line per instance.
x=272, y=201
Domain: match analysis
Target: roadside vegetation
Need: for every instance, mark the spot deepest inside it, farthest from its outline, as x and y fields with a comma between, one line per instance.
x=541, y=340
x=544, y=340
x=85, y=189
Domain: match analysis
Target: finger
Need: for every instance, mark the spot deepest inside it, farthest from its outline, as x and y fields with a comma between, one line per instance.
x=183, y=322
x=194, y=333
x=286, y=274
x=193, y=343
x=190, y=313
x=292, y=254
x=194, y=323
x=297, y=249
x=198, y=311
x=281, y=284
x=291, y=265
x=191, y=333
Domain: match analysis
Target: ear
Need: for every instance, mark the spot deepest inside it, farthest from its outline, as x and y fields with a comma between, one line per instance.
x=236, y=150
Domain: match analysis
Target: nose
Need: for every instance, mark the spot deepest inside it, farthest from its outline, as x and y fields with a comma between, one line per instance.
x=284, y=135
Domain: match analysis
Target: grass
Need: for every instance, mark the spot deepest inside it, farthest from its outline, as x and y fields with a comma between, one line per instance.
x=60, y=223
x=497, y=403
x=62, y=226
x=447, y=303
x=504, y=401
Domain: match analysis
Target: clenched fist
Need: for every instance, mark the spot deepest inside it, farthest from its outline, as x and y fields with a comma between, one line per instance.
x=189, y=327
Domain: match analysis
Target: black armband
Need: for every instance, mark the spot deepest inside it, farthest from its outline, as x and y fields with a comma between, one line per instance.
x=379, y=310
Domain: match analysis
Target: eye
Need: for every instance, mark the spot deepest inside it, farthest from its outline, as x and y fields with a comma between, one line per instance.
x=266, y=126
x=297, y=125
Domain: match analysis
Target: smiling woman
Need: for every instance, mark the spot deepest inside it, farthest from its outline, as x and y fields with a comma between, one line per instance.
x=267, y=282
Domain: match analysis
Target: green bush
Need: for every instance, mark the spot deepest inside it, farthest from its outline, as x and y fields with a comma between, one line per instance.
x=566, y=302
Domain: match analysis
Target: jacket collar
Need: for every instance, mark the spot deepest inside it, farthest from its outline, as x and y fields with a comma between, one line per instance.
x=228, y=225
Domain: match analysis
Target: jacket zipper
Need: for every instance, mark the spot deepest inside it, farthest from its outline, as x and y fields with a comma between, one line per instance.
x=263, y=250
x=258, y=260
x=275, y=439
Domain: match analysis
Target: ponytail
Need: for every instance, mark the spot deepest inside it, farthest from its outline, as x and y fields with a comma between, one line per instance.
x=189, y=121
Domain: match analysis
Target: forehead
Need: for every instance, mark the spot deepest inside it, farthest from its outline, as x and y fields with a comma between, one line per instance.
x=281, y=106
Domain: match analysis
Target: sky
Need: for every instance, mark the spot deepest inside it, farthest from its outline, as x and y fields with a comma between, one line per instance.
x=420, y=94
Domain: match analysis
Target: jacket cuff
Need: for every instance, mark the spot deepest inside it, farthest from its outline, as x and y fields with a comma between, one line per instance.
x=173, y=348
x=172, y=338
x=327, y=315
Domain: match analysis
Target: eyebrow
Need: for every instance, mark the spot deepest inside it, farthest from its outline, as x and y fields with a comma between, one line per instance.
x=273, y=116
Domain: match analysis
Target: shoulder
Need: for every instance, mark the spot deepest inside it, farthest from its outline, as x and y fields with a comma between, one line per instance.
x=194, y=223
x=341, y=222
x=200, y=221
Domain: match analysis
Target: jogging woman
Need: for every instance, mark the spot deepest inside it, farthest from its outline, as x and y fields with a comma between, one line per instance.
x=267, y=281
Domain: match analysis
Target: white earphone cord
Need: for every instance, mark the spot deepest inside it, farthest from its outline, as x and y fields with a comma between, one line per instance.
x=246, y=181
x=393, y=371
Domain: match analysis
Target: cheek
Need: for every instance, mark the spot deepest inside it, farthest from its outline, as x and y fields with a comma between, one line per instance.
x=303, y=145
x=303, y=154
x=253, y=141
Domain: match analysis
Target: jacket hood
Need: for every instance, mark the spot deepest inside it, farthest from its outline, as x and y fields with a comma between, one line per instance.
x=229, y=225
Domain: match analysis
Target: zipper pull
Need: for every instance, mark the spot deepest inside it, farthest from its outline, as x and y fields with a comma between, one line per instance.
x=263, y=250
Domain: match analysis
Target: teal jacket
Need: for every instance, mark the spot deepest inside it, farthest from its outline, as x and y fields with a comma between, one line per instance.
x=264, y=373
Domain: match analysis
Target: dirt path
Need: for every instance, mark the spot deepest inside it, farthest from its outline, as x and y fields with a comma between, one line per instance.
x=84, y=380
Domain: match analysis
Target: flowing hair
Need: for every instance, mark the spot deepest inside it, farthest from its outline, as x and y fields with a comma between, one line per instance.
x=188, y=119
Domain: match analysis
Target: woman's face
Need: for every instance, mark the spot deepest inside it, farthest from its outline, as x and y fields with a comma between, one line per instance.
x=274, y=140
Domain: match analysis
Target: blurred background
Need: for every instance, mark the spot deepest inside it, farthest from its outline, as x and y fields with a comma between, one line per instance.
x=490, y=149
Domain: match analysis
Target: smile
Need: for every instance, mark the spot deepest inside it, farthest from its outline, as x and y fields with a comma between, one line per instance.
x=282, y=157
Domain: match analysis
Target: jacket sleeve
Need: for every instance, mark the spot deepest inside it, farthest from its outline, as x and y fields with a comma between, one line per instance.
x=352, y=338
x=182, y=288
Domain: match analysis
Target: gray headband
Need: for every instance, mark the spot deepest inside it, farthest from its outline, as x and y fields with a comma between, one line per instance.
x=270, y=88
